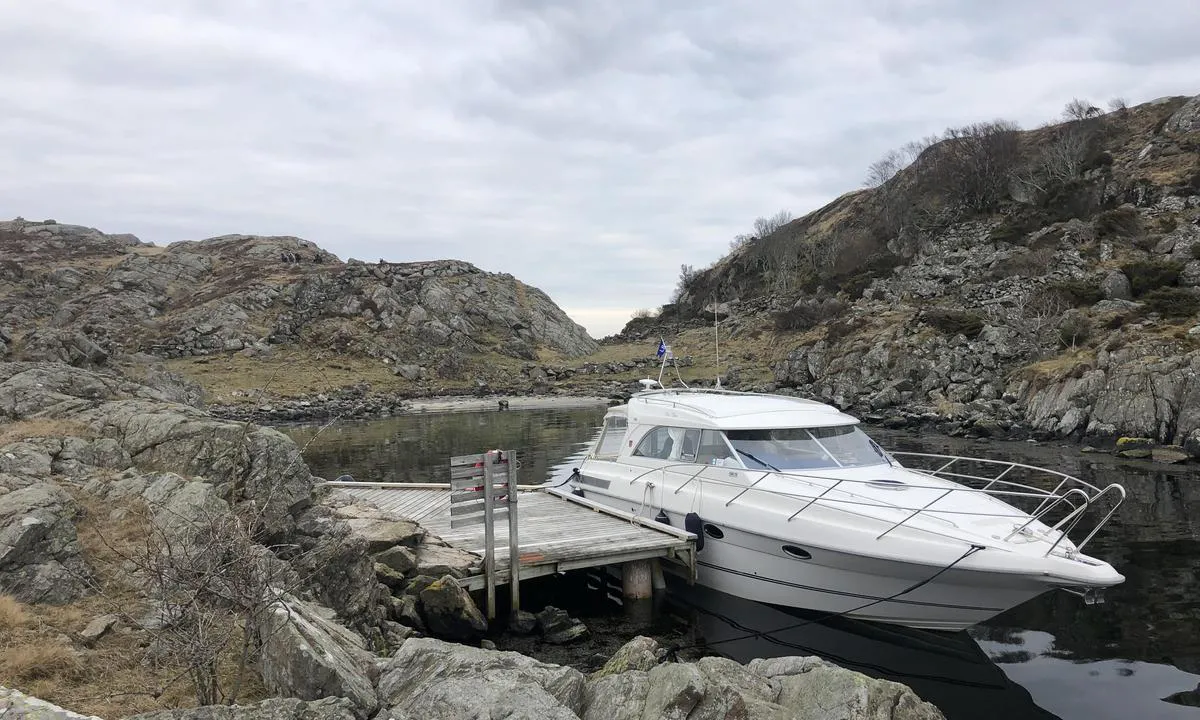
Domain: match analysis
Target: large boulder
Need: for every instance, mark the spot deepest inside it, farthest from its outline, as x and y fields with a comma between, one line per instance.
x=331, y=708
x=811, y=689
x=40, y=559
x=305, y=654
x=25, y=460
x=435, y=680
x=434, y=558
x=449, y=611
x=634, y=685
x=640, y=653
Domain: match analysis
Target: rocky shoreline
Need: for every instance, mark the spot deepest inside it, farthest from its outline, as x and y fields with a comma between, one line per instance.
x=133, y=524
x=995, y=420
x=323, y=407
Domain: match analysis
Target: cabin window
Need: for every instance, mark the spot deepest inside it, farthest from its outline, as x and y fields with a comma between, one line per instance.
x=714, y=450
x=657, y=443
x=611, y=437
x=805, y=448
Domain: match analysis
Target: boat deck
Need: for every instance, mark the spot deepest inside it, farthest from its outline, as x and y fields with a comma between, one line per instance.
x=557, y=531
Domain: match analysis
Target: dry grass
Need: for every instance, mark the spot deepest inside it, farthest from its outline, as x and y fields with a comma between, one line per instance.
x=39, y=660
x=113, y=678
x=12, y=614
x=1060, y=367
x=42, y=427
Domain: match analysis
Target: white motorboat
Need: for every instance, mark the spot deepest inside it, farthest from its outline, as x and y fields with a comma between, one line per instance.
x=795, y=505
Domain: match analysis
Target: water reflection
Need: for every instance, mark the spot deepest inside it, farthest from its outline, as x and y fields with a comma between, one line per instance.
x=1136, y=655
x=417, y=448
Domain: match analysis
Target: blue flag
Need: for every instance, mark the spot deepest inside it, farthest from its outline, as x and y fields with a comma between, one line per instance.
x=662, y=348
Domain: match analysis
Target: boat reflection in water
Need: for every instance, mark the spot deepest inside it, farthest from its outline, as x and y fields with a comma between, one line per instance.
x=949, y=670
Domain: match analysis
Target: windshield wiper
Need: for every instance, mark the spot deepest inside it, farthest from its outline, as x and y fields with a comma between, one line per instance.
x=879, y=451
x=760, y=462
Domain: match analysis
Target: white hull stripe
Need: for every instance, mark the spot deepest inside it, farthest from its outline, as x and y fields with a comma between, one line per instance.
x=843, y=593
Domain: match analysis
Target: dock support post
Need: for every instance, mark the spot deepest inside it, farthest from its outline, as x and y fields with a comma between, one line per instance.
x=659, y=581
x=637, y=587
x=637, y=580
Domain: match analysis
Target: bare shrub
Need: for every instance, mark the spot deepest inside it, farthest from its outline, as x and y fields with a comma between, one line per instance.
x=739, y=241
x=1080, y=110
x=886, y=167
x=765, y=226
x=807, y=314
x=953, y=321
x=1175, y=302
x=1147, y=275
x=1118, y=104
x=642, y=313
x=1035, y=263
x=1074, y=329
x=1034, y=318
x=1077, y=292
x=1118, y=222
x=975, y=164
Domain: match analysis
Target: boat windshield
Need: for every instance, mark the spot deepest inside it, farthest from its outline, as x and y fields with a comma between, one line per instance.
x=805, y=448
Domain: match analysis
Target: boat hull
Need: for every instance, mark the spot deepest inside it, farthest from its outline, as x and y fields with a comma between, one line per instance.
x=913, y=594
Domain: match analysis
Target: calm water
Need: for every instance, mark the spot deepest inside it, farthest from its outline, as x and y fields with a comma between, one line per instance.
x=1135, y=656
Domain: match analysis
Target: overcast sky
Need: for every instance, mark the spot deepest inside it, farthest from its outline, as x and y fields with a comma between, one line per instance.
x=588, y=148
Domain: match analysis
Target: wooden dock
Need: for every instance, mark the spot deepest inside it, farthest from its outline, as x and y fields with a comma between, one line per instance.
x=557, y=531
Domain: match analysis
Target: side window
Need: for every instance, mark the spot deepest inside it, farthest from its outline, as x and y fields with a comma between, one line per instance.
x=689, y=445
x=713, y=449
x=610, y=441
x=656, y=444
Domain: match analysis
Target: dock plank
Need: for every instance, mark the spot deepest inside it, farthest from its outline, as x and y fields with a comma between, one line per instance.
x=553, y=530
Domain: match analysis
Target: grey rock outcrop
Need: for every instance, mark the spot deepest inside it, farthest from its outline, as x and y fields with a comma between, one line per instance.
x=19, y=706
x=810, y=689
x=1186, y=119
x=332, y=708
x=432, y=679
x=40, y=560
x=244, y=293
x=309, y=656
x=183, y=463
x=435, y=680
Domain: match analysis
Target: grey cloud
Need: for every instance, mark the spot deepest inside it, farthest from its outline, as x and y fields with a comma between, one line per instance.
x=587, y=148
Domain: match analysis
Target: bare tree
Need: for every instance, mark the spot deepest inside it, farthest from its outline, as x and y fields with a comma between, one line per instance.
x=765, y=226
x=1080, y=110
x=1035, y=318
x=687, y=275
x=885, y=168
x=894, y=161
x=739, y=241
x=1117, y=104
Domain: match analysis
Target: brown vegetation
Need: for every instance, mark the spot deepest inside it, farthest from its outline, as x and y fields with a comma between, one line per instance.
x=12, y=614
x=42, y=427
x=124, y=672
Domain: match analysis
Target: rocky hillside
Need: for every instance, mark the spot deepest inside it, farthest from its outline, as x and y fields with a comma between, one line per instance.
x=1043, y=282
x=78, y=295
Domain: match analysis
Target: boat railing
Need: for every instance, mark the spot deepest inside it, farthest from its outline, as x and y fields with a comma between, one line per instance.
x=1077, y=497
